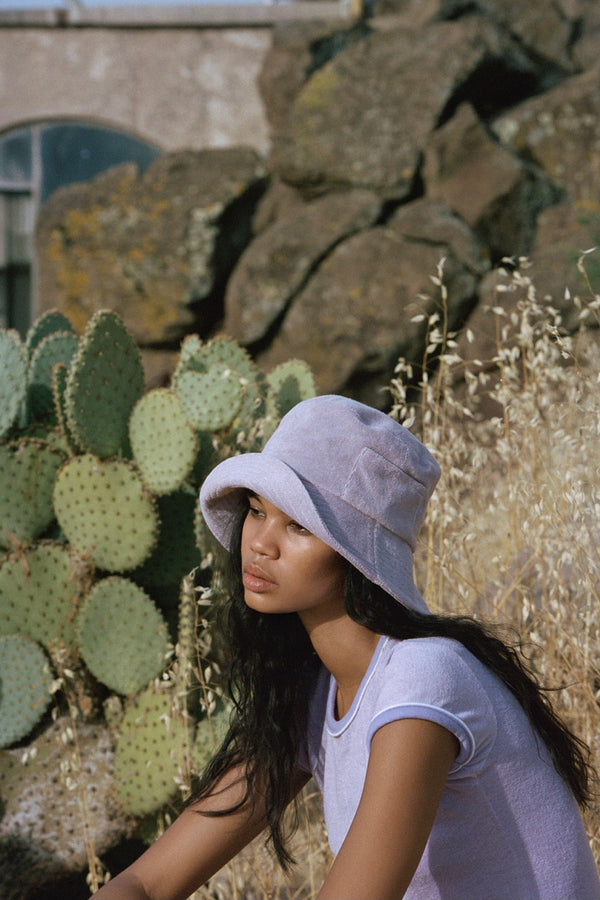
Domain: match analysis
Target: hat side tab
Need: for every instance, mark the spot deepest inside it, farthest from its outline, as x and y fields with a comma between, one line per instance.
x=388, y=494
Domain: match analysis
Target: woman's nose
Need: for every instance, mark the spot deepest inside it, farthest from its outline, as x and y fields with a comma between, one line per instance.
x=263, y=540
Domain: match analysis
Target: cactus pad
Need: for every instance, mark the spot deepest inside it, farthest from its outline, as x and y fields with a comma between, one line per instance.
x=106, y=511
x=39, y=594
x=210, y=732
x=105, y=381
x=13, y=379
x=289, y=383
x=222, y=355
x=210, y=400
x=175, y=553
x=27, y=472
x=24, y=687
x=48, y=323
x=164, y=445
x=149, y=752
x=59, y=347
x=122, y=635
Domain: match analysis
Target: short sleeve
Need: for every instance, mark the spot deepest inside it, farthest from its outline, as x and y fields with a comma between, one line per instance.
x=439, y=680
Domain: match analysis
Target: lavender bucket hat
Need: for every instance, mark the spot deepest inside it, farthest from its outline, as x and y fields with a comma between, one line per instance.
x=348, y=473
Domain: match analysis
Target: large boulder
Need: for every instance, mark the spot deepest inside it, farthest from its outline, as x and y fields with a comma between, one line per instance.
x=495, y=191
x=156, y=248
x=543, y=27
x=560, y=131
x=355, y=316
x=53, y=820
x=364, y=117
x=279, y=261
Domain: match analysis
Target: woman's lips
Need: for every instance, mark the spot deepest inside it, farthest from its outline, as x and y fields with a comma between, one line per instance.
x=255, y=580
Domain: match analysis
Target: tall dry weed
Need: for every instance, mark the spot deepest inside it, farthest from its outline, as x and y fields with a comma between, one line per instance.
x=512, y=534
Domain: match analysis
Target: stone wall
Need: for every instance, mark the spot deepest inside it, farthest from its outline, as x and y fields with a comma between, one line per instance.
x=175, y=88
x=432, y=129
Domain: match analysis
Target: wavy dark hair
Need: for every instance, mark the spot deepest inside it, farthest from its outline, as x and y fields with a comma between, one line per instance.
x=273, y=669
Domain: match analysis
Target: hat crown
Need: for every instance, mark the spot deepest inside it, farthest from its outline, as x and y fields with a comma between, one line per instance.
x=360, y=455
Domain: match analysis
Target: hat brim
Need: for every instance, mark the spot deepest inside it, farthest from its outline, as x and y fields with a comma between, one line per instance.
x=225, y=489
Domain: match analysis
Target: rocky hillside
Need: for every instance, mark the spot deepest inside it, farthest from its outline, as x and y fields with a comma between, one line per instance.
x=432, y=128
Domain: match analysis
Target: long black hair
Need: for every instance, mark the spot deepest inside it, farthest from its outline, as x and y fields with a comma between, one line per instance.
x=273, y=669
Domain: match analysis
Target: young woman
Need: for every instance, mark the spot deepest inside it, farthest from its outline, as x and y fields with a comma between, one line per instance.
x=443, y=769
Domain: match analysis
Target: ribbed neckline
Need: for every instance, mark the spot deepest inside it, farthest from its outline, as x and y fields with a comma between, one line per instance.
x=335, y=726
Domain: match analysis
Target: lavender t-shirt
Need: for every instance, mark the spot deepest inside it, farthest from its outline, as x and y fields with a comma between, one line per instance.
x=507, y=827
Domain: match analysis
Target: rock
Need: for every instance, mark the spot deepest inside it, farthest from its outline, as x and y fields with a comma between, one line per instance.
x=491, y=188
x=155, y=248
x=560, y=131
x=278, y=262
x=278, y=201
x=353, y=319
x=538, y=25
x=297, y=50
x=363, y=118
x=42, y=810
x=564, y=232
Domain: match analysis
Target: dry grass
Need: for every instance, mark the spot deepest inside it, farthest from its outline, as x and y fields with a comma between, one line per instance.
x=512, y=531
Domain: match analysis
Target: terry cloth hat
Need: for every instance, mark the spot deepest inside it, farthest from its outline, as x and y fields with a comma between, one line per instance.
x=348, y=473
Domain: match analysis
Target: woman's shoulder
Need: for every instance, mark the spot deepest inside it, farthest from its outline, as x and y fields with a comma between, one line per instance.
x=437, y=671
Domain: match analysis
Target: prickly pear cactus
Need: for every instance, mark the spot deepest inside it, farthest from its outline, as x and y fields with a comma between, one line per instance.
x=28, y=470
x=48, y=323
x=39, y=594
x=175, y=553
x=55, y=348
x=150, y=752
x=211, y=400
x=105, y=381
x=289, y=383
x=24, y=687
x=163, y=443
x=222, y=368
x=13, y=379
x=122, y=636
x=106, y=511
x=210, y=732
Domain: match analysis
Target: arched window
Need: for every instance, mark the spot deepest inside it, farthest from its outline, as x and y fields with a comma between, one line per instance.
x=35, y=161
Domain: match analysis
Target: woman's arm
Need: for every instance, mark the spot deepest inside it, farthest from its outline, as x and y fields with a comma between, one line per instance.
x=408, y=766
x=194, y=848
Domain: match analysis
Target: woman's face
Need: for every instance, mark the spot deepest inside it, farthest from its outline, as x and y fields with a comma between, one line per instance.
x=285, y=568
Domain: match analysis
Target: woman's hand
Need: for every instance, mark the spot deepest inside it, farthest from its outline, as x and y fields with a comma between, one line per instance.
x=408, y=766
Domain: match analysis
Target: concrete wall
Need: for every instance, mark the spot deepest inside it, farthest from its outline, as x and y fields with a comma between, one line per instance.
x=176, y=87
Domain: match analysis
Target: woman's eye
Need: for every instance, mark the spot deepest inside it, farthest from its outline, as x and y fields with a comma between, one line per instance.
x=254, y=511
x=299, y=528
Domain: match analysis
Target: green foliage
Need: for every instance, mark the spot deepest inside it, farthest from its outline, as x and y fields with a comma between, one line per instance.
x=39, y=594
x=24, y=687
x=122, y=635
x=105, y=381
x=13, y=379
x=28, y=470
x=55, y=348
x=98, y=478
x=175, y=552
x=290, y=382
x=149, y=753
x=47, y=324
x=163, y=442
x=106, y=511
